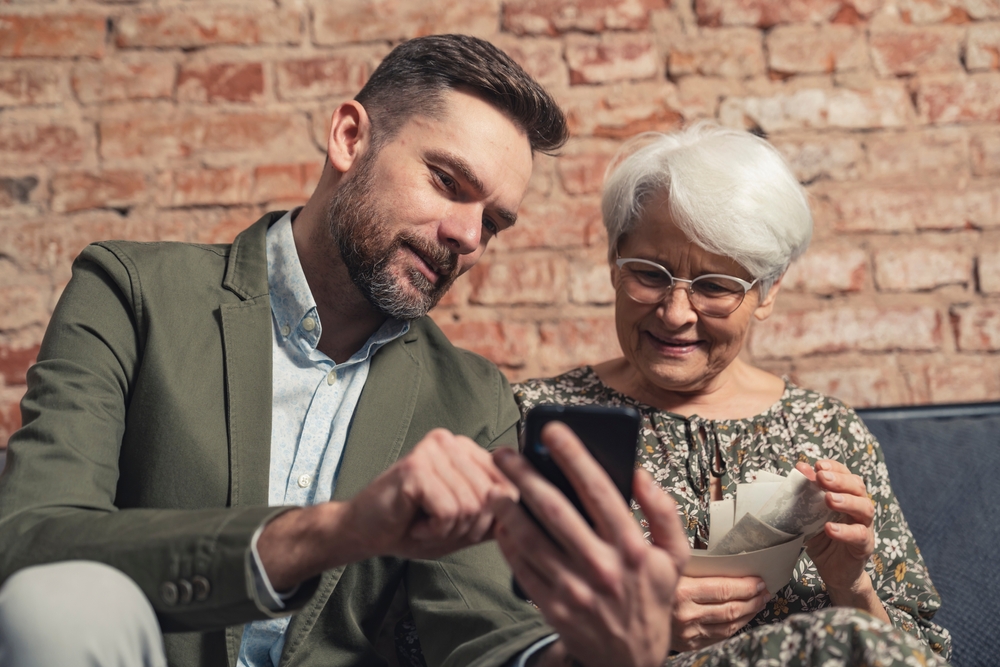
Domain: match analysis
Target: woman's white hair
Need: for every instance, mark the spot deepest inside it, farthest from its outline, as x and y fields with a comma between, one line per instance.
x=729, y=191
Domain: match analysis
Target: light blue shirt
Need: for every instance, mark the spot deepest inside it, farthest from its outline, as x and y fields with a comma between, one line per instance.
x=313, y=400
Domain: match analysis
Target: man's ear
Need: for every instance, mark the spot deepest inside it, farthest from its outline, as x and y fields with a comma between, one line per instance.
x=350, y=135
x=764, y=308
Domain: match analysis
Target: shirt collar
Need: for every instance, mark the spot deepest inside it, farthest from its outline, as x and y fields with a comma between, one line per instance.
x=292, y=301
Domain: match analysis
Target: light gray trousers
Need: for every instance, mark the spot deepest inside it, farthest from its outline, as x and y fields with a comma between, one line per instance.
x=77, y=614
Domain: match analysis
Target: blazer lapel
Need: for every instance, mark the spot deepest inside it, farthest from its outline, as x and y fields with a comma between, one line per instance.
x=378, y=433
x=246, y=336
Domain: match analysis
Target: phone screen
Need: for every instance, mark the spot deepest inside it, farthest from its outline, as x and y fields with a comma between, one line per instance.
x=610, y=433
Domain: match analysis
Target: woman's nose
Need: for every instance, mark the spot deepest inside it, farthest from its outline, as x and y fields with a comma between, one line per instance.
x=676, y=309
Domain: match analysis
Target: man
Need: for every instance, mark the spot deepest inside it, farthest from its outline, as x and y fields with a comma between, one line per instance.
x=271, y=427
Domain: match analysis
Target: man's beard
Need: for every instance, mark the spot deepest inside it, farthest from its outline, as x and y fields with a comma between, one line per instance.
x=363, y=235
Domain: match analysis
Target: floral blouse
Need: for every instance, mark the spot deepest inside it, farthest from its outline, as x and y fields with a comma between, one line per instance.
x=802, y=426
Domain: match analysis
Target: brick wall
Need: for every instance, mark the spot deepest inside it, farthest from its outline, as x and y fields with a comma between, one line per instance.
x=184, y=120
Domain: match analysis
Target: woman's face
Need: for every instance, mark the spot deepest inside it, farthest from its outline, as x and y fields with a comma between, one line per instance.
x=670, y=345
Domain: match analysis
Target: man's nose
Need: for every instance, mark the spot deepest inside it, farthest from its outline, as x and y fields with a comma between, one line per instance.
x=461, y=228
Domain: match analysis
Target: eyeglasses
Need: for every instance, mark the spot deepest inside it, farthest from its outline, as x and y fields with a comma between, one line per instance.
x=712, y=295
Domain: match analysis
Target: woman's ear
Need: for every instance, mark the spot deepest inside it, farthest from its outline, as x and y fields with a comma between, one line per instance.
x=764, y=308
x=350, y=135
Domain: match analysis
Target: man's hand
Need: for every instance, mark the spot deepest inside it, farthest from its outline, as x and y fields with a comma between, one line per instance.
x=710, y=609
x=606, y=591
x=435, y=500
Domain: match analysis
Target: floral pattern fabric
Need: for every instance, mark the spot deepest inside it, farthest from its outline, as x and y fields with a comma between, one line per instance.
x=802, y=425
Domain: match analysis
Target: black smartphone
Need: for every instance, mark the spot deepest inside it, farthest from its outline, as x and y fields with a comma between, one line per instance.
x=610, y=433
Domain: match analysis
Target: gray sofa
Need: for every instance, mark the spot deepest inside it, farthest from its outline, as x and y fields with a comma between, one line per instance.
x=944, y=466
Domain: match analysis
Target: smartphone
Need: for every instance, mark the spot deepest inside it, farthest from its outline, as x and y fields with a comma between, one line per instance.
x=610, y=433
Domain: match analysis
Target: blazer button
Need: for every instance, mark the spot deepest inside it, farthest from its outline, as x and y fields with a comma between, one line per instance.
x=186, y=591
x=201, y=588
x=168, y=593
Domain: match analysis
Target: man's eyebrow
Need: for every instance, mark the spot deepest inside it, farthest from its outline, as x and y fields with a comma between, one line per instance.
x=458, y=164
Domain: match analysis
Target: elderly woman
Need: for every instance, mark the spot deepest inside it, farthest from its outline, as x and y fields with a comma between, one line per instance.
x=701, y=226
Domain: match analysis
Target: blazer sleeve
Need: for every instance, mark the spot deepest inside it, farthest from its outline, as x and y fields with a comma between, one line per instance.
x=57, y=494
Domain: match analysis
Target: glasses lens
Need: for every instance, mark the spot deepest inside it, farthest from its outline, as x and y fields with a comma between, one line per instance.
x=716, y=296
x=646, y=283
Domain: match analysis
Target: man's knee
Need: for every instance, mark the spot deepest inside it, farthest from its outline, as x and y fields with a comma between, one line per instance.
x=76, y=612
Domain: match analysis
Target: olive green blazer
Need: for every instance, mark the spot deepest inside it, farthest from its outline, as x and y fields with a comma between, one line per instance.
x=146, y=445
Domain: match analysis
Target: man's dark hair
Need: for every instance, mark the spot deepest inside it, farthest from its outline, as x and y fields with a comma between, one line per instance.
x=413, y=77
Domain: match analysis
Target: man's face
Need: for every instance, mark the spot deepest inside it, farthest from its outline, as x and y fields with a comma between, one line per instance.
x=419, y=213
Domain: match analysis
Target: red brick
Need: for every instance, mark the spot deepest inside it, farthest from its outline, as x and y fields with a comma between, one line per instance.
x=882, y=105
x=205, y=186
x=923, y=12
x=221, y=82
x=18, y=189
x=504, y=343
x=977, y=326
x=537, y=279
x=14, y=363
x=965, y=381
x=988, y=270
x=846, y=328
x=544, y=222
x=948, y=100
x=336, y=23
x=82, y=190
x=590, y=281
x=985, y=150
x=909, y=209
x=46, y=143
x=911, y=50
x=828, y=270
x=611, y=57
x=857, y=383
x=619, y=112
x=24, y=83
x=50, y=244
x=24, y=305
x=285, y=182
x=160, y=134
x=804, y=49
x=542, y=59
x=764, y=13
x=941, y=152
x=207, y=27
x=342, y=73
x=982, y=47
x=733, y=53
x=699, y=97
x=569, y=343
x=214, y=225
x=553, y=17
x=922, y=267
x=52, y=35
x=582, y=163
x=819, y=156
x=128, y=78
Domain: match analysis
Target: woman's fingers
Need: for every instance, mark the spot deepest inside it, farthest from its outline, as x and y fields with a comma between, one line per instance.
x=859, y=508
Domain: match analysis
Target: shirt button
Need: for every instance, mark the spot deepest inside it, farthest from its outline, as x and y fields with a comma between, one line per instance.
x=308, y=324
x=305, y=480
x=331, y=377
x=285, y=330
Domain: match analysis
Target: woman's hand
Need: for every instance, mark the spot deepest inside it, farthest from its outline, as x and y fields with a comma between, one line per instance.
x=710, y=609
x=842, y=550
